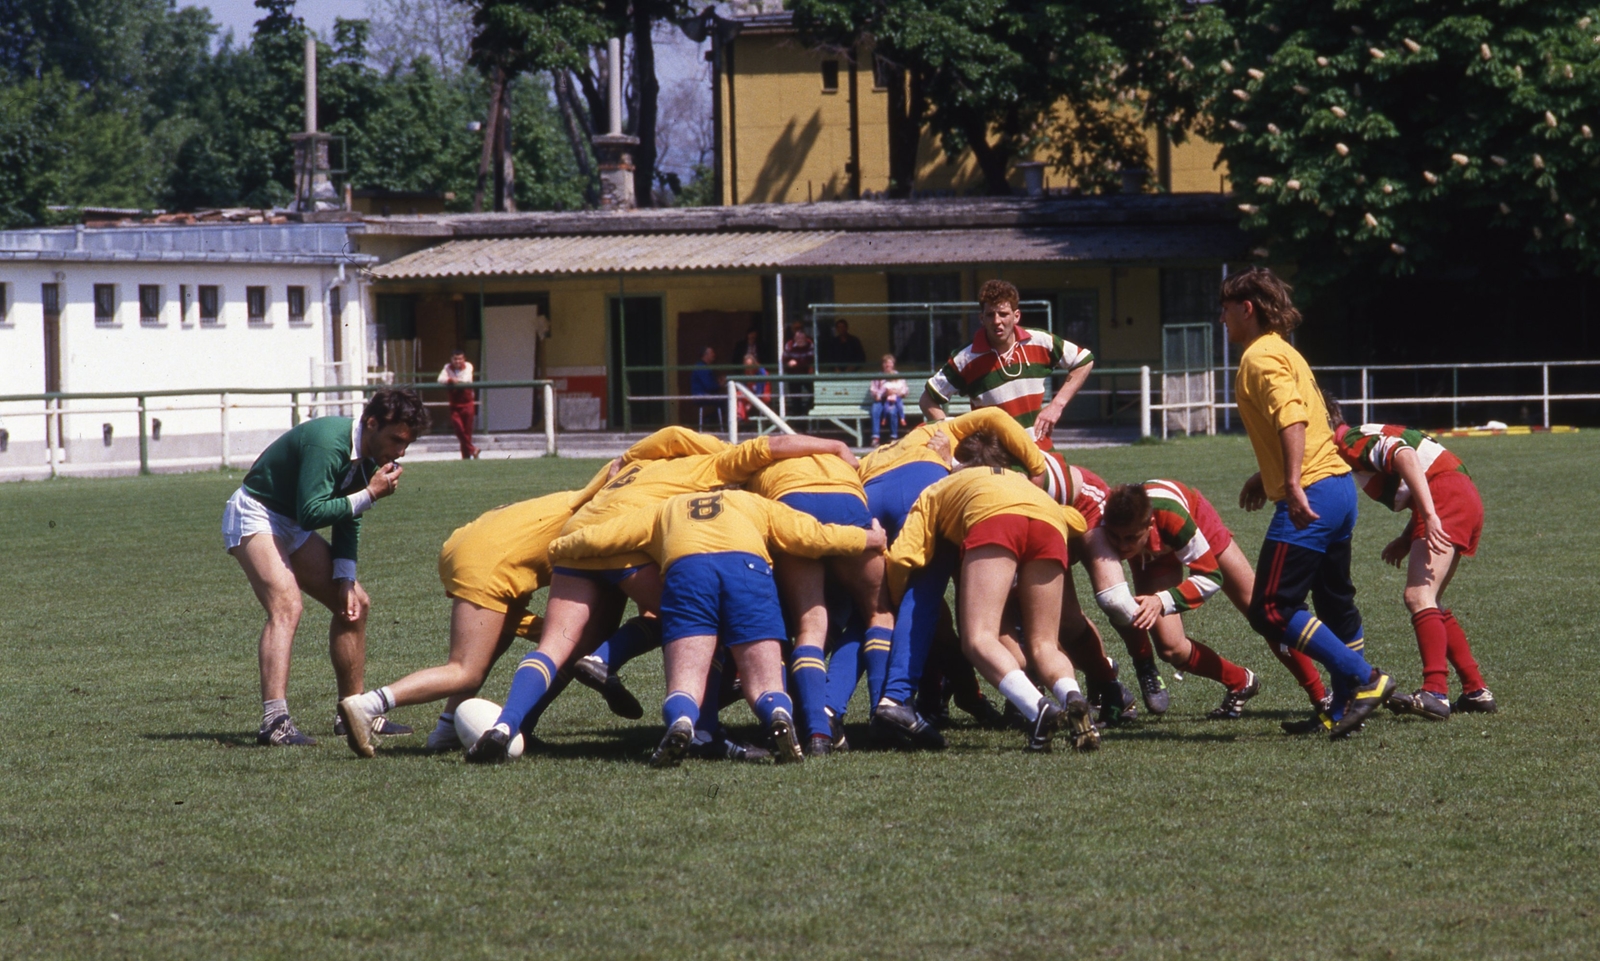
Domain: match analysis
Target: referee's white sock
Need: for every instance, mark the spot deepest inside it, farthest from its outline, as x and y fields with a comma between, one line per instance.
x=272, y=710
x=1067, y=685
x=1020, y=691
x=377, y=702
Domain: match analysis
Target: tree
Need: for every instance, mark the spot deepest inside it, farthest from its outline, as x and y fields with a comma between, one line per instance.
x=1004, y=78
x=403, y=30
x=1395, y=136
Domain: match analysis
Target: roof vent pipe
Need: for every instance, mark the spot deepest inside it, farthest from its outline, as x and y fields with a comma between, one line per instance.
x=614, y=83
x=311, y=83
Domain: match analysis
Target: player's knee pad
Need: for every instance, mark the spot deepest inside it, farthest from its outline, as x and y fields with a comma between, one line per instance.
x=1118, y=603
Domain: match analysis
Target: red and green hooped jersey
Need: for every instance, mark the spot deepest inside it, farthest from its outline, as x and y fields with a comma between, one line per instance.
x=1015, y=382
x=1177, y=533
x=1370, y=451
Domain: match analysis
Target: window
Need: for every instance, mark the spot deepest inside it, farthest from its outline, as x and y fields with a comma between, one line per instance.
x=50, y=297
x=830, y=76
x=149, y=304
x=105, y=304
x=183, y=305
x=297, y=305
x=5, y=303
x=255, y=299
x=210, y=304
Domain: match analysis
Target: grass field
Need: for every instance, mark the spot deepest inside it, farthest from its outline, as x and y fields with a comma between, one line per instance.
x=138, y=819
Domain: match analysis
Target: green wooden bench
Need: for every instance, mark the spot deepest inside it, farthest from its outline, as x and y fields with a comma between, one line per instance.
x=846, y=403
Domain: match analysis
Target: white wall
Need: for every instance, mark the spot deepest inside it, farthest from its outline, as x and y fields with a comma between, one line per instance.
x=177, y=352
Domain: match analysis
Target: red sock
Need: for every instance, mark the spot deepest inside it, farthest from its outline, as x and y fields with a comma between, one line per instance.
x=1432, y=641
x=1208, y=663
x=1460, y=654
x=1304, y=670
x=1088, y=655
x=1138, y=645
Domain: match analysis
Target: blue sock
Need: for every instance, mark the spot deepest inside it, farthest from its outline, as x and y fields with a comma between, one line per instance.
x=771, y=701
x=545, y=700
x=533, y=678
x=875, y=651
x=678, y=704
x=843, y=669
x=914, y=624
x=640, y=635
x=810, y=686
x=1321, y=644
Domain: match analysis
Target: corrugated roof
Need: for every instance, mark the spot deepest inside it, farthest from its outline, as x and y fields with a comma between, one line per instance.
x=619, y=253
x=758, y=250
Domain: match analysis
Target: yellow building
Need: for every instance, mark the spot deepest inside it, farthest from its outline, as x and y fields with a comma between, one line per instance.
x=793, y=121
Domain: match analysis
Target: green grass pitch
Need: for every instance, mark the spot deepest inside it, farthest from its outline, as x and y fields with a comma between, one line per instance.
x=138, y=819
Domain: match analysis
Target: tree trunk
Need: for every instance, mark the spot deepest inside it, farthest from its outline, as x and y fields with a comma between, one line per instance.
x=593, y=95
x=906, y=108
x=648, y=90
x=578, y=131
x=505, y=192
x=491, y=127
x=993, y=159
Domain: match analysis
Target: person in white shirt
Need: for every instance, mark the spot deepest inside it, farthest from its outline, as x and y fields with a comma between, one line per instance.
x=463, y=401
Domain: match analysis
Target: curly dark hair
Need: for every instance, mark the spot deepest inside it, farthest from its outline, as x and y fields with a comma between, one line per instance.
x=393, y=404
x=1268, y=294
x=996, y=292
x=1128, y=505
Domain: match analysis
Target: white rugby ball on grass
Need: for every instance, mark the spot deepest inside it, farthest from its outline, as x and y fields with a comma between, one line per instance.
x=478, y=715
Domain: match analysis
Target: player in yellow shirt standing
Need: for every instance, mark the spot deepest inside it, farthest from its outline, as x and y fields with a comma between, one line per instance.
x=717, y=587
x=1307, y=548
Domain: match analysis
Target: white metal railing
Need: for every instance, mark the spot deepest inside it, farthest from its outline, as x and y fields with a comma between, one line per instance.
x=302, y=403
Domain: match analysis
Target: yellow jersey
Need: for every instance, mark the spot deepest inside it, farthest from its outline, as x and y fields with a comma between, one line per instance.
x=914, y=446
x=500, y=559
x=816, y=474
x=707, y=523
x=1276, y=389
x=642, y=484
x=955, y=505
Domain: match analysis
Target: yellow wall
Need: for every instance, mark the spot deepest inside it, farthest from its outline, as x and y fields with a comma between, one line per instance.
x=786, y=140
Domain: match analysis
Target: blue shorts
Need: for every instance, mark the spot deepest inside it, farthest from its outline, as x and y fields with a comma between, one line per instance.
x=891, y=495
x=830, y=507
x=730, y=594
x=613, y=577
x=1334, y=500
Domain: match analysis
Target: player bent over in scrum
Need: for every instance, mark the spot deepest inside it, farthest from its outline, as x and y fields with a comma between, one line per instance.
x=1009, y=530
x=325, y=472
x=1403, y=468
x=718, y=587
x=1160, y=527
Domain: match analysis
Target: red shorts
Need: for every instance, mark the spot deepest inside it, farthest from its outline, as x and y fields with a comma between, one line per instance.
x=1460, y=509
x=1027, y=538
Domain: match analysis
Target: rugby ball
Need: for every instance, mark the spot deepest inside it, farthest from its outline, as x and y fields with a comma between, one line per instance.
x=478, y=715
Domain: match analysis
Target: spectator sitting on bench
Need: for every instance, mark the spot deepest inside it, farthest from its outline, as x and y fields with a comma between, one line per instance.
x=703, y=382
x=888, y=397
x=761, y=388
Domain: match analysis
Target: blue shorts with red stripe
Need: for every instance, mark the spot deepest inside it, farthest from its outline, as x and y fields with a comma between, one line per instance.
x=730, y=594
x=1333, y=499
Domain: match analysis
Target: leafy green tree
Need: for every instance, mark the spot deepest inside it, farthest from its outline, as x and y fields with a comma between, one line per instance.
x=1398, y=136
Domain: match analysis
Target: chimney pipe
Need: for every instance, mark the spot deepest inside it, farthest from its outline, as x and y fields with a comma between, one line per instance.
x=311, y=83
x=614, y=81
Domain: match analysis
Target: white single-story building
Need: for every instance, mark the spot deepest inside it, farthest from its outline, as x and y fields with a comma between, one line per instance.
x=171, y=307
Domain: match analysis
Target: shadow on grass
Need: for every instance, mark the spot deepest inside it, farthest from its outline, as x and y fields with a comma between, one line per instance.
x=222, y=738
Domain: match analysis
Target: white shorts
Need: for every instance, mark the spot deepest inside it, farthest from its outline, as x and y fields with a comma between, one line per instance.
x=244, y=515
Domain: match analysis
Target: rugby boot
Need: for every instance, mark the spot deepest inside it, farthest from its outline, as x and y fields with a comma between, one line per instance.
x=670, y=752
x=786, y=746
x=1079, y=724
x=592, y=673
x=934, y=707
x=1013, y=718
x=1420, y=704
x=841, y=743
x=492, y=747
x=282, y=733
x=1233, y=702
x=727, y=749
x=1366, y=699
x=359, y=726
x=1117, y=705
x=381, y=726
x=1476, y=702
x=982, y=710
x=900, y=725
x=1320, y=721
x=819, y=745
x=1152, y=687
x=443, y=738
x=1044, y=726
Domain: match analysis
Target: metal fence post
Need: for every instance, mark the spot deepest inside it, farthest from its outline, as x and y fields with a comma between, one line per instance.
x=144, y=438
x=1366, y=408
x=733, y=412
x=1144, y=401
x=51, y=447
x=1545, y=368
x=294, y=408
x=1211, y=392
x=225, y=436
x=1455, y=391
x=550, y=420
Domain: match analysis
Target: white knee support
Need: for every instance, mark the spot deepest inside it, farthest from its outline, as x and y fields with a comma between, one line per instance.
x=1118, y=603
